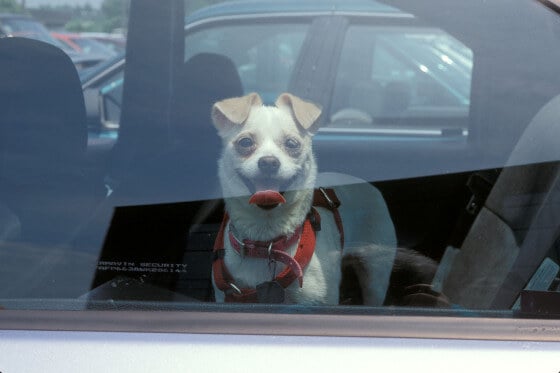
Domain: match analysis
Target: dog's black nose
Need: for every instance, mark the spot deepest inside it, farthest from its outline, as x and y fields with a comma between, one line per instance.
x=269, y=165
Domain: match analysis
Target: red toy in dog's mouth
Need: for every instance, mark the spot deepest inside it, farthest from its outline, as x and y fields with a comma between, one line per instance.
x=267, y=199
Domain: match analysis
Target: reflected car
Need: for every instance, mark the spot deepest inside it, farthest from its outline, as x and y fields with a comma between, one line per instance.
x=414, y=81
x=12, y=25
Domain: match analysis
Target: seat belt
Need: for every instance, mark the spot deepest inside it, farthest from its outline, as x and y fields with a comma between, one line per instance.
x=480, y=184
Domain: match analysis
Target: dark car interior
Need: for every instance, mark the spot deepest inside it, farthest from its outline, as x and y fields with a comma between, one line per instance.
x=164, y=205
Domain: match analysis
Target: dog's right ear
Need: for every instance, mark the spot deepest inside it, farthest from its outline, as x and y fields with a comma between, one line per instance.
x=233, y=111
x=305, y=113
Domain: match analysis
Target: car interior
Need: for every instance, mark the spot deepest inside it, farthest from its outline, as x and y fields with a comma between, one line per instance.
x=480, y=211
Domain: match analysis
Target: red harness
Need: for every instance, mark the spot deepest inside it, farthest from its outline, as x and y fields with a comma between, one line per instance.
x=275, y=250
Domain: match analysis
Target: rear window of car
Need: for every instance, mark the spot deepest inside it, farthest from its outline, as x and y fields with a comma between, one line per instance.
x=401, y=78
x=390, y=80
x=264, y=55
x=421, y=146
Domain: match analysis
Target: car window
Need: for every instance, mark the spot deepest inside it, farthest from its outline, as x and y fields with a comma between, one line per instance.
x=400, y=84
x=264, y=56
x=252, y=57
x=367, y=158
x=394, y=78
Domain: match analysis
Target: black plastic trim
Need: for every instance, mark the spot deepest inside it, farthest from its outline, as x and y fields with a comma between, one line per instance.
x=551, y=4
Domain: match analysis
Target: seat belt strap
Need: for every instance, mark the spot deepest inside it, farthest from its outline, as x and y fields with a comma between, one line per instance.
x=480, y=184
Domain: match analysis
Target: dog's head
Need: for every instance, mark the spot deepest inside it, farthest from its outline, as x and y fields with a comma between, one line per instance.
x=267, y=156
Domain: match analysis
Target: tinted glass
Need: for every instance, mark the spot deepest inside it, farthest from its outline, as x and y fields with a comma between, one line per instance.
x=264, y=55
x=405, y=161
x=395, y=77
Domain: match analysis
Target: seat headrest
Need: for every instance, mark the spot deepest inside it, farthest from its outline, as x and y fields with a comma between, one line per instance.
x=213, y=76
x=42, y=113
x=204, y=79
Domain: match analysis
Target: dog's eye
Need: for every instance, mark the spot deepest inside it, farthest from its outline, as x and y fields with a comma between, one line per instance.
x=291, y=144
x=245, y=142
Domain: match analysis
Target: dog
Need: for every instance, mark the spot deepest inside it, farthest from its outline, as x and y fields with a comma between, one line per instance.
x=277, y=244
x=267, y=172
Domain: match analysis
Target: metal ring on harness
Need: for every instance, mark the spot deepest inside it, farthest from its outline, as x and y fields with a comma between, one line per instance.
x=235, y=288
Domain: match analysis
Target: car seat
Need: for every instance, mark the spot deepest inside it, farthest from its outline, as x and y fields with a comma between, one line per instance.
x=204, y=79
x=517, y=225
x=43, y=139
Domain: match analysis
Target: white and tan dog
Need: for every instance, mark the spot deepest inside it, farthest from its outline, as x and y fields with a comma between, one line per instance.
x=268, y=173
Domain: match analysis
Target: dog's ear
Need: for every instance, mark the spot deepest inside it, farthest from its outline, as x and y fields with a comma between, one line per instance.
x=305, y=113
x=233, y=111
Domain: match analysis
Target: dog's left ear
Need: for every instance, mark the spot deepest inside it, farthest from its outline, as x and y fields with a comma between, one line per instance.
x=305, y=113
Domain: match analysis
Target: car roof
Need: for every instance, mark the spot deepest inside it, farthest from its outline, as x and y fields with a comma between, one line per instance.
x=295, y=7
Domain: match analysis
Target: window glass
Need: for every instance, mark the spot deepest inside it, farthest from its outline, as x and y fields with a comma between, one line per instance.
x=410, y=164
x=389, y=77
x=264, y=55
x=264, y=63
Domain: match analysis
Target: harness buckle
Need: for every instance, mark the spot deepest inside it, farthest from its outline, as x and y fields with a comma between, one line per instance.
x=271, y=262
x=242, y=245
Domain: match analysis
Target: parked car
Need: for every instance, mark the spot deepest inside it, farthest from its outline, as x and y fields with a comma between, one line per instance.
x=115, y=42
x=406, y=59
x=21, y=25
x=26, y=26
x=448, y=109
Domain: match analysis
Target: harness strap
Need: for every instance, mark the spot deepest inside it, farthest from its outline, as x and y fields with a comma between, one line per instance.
x=222, y=278
x=273, y=250
x=225, y=282
x=305, y=250
x=327, y=198
x=262, y=249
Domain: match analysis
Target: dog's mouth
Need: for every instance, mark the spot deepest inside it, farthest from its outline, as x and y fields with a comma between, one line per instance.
x=267, y=193
x=267, y=199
